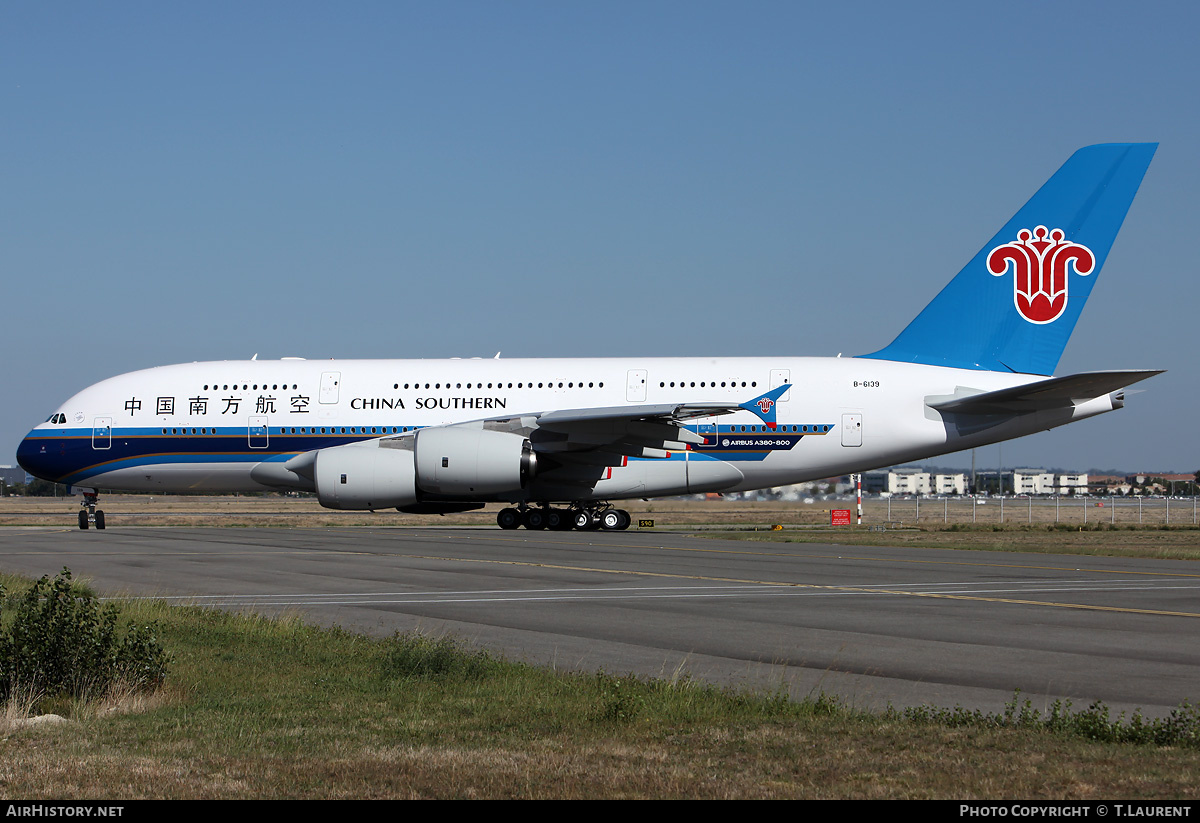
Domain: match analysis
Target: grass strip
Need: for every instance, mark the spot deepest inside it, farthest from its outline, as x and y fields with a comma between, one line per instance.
x=258, y=707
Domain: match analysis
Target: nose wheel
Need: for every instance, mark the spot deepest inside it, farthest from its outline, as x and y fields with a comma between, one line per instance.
x=89, y=515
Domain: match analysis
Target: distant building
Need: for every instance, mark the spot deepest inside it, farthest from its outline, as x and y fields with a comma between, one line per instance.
x=1161, y=483
x=990, y=481
x=950, y=483
x=913, y=482
x=897, y=481
x=1073, y=484
x=1032, y=481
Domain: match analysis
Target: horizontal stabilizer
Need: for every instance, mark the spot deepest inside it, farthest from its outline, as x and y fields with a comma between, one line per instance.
x=1057, y=392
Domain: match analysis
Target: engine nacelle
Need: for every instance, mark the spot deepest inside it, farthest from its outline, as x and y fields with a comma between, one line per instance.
x=467, y=462
x=365, y=477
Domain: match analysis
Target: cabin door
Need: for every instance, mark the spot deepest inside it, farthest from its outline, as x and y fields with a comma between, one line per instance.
x=102, y=433
x=256, y=431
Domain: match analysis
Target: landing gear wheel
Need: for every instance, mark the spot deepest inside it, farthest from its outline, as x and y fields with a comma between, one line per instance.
x=88, y=513
x=535, y=519
x=625, y=520
x=583, y=520
x=558, y=520
x=611, y=520
x=508, y=518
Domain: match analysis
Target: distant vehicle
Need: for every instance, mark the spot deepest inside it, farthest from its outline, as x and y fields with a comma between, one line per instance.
x=559, y=439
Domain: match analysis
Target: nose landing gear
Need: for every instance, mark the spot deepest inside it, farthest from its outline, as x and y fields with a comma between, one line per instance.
x=89, y=515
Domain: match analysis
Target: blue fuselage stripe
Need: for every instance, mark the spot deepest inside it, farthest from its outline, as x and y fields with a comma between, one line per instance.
x=78, y=454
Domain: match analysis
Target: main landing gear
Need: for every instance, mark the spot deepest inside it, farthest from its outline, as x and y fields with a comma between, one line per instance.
x=88, y=513
x=577, y=517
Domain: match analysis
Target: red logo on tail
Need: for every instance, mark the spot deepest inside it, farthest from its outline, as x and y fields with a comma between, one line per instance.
x=1040, y=259
x=765, y=405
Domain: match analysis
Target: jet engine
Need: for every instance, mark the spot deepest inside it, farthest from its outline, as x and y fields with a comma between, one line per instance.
x=365, y=476
x=439, y=462
x=464, y=462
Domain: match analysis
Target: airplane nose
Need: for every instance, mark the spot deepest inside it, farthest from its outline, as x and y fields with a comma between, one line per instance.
x=35, y=456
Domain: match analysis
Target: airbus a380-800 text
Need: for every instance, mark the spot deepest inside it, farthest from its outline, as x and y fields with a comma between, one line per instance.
x=560, y=439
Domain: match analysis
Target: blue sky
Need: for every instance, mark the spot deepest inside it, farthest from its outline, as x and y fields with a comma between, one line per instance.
x=209, y=181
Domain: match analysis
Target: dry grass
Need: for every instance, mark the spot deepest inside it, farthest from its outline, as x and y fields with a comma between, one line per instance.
x=1158, y=543
x=18, y=711
x=787, y=760
x=1075, y=527
x=283, y=510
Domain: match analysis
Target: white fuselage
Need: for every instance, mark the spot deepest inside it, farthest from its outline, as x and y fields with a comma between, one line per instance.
x=206, y=426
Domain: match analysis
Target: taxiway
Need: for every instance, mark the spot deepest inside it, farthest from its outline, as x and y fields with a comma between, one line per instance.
x=874, y=625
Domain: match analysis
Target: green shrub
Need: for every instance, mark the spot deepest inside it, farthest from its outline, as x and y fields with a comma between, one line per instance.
x=621, y=698
x=56, y=640
x=1180, y=728
x=422, y=657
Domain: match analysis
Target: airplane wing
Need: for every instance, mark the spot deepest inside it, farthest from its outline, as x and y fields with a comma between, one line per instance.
x=1056, y=392
x=608, y=436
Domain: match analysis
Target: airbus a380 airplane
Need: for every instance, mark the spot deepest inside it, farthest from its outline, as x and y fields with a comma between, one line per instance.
x=558, y=439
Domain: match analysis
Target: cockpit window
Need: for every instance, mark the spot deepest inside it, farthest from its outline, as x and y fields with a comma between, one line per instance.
x=57, y=418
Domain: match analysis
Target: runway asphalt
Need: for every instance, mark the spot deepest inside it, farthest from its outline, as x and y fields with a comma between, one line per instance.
x=874, y=625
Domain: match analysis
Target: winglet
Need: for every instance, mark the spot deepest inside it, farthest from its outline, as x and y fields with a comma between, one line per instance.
x=764, y=404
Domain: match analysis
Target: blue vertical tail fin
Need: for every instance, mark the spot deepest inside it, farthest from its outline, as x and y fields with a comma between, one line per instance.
x=1014, y=306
